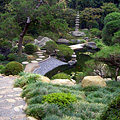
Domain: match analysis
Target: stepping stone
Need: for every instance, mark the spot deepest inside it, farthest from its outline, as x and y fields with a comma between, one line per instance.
x=34, y=61
x=38, y=59
x=11, y=100
x=39, y=52
x=18, y=108
x=41, y=56
x=17, y=89
x=25, y=63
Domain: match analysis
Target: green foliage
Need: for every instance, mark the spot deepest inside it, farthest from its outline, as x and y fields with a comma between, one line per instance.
x=64, y=51
x=113, y=110
x=13, y=68
x=14, y=49
x=27, y=79
x=2, y=57
x=11, y=57
x=7, y=43
x=62, y=99
x=96, y=32
x=29, y=48
x=27, y=39
x=51, y=47
x=116, y=37
x=60, y=76
x=79, y=76
x=111, y=17
x=1, y=69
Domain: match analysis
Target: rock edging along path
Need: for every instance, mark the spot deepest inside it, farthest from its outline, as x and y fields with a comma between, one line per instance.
x=11, y=104
x=48, y=65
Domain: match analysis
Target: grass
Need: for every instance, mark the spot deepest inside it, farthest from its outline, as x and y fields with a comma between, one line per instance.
x=91, y=101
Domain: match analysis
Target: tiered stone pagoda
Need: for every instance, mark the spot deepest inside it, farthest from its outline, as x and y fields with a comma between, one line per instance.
x=77, y=33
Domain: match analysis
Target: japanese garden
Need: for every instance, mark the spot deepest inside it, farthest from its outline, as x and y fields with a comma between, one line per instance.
x=60, y=59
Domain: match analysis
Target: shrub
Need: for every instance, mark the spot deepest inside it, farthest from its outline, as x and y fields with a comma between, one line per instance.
x=2, y=57
x=13, y=68
x=62, y=99
x=29, y=48
x=11, y=56
x=61, y=76
x=1, y=68
x=51, y=46
x=113, y=110
x=7, y=43
x=14, y=49
x=27, y=79
x=79, y=76
x=27, y=39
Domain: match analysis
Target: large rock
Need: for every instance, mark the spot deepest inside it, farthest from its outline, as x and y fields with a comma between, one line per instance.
x=91, y=45
x=45, y=79
x=78, y=34
x=63, y=82
x=30, y=67
x=41, y=41
x=93, y=80
x=30, y=57
x=63, y=41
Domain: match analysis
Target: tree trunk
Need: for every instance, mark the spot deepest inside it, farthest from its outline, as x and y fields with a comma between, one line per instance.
x=116, y=74
x=21, y=37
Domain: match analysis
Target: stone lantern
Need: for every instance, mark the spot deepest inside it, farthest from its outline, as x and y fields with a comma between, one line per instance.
x=74, y=57
x=73, y=60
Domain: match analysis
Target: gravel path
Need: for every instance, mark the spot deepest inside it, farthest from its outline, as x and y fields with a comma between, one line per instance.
x=11, y=104
x=48, y=65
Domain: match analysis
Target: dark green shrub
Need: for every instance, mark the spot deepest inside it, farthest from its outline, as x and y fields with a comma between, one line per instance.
x=2, y=57
x=13, y=68
x=62, y=99
x=27, y=39
x=51, y=46
x=14, y=49
x=11, y=56
x=61, y=76
x=1, y=68
x=113, y=110
x=7, y=43
x=29, y=48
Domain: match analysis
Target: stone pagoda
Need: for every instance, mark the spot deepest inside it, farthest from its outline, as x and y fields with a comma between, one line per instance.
x=77, y=33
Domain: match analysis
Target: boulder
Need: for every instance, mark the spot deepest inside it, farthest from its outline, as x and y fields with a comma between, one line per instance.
x=78, y=34
x=45, y=79
x=41, y=41
x=93, y=80
x=30, y=57
x=30, y=67
x=63, y=41
x=63, y=82
x=91, y=45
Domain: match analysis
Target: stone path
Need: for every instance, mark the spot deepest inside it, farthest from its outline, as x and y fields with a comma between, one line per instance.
x=48, y=65
x=11, y=104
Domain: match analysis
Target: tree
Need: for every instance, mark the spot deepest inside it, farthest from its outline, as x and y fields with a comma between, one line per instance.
x=110, y=55
x=112, y=25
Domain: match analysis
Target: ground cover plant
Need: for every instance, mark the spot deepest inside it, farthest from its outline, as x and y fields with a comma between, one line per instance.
x=89, y=103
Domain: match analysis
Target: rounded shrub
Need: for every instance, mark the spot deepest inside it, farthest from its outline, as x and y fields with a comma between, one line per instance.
x=2, y=57
x=13, y=68
x=7, y=43
x=61, y=76
x=61, y=99
x=1, y=68
x=27, y=39
x=29, y=48
x=11, y=56
x=113, y=110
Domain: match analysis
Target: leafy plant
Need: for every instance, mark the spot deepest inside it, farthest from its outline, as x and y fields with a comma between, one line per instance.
x=62, y=99
x=13, y=68
x=27, y=39
x=11, y=57
x=2, y=57
x=29, y=48
x=60, y=76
